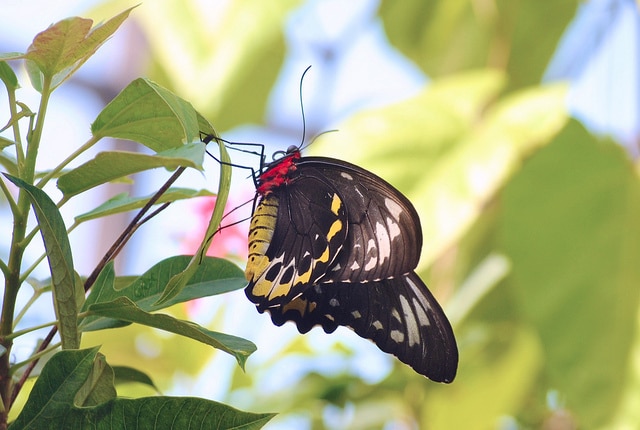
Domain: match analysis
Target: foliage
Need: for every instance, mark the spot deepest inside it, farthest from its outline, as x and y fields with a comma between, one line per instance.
x=530, y=220
x=76, y=387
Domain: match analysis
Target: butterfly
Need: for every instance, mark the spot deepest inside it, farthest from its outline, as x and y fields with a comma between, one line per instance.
x=332, y=244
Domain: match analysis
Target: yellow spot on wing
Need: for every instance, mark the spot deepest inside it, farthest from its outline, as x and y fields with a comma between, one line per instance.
x=336, y=203
x=335, y=228
x=280, y=290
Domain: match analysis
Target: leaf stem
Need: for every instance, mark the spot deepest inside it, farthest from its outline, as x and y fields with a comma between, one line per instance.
x=26, y=172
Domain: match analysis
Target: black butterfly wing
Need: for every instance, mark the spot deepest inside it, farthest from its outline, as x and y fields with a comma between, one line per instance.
x=384, y=236
x=399, y=315
x=296, y=233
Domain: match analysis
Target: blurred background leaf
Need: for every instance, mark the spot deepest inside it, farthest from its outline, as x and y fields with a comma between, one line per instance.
x=528, y=201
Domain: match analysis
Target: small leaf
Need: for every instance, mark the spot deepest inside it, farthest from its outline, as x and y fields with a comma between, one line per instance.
x=50, y=404
x=9, y=163
x=124, y=309
x=124, y=203
x=56, y=242
x=99, y=386
x=108, y=166
x=125, y=374
x=147, y=113
x=214, y=276
x=8, y=77
x=62, y=48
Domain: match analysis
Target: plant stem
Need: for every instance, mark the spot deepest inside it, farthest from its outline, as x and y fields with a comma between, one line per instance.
x=26, y=172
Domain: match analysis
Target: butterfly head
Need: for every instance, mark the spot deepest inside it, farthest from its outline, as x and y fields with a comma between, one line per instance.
x=278, y=172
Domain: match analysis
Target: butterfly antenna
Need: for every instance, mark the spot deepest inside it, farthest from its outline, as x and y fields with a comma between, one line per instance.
x=304, y=121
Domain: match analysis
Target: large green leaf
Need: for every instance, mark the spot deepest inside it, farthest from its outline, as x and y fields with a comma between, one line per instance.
x=109, y=166
x=147, y=113
x=213, y=276
x=124, y=309
x=451, y=148
x=571, y=229
x=445, y=37
x=51, y=405
x=56, y=243
x=224, y=57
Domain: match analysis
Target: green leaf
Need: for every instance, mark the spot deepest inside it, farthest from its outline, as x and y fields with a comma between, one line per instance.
x=125, y=374
x=124, y=203
x=216, y=69
x=147, y=113
x=180, y=280
x=504, y=35
x=9, y=163
x=51, y=405
x=8, y=77
x=125, y=310
x=213, y=276
x=451, y=148
x=99, y=386
x=571, y=229
x=108, y=166
x=62, y=48
x=56, y=243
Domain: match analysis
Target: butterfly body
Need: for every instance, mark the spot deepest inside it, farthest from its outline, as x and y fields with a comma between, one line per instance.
x=333, y=244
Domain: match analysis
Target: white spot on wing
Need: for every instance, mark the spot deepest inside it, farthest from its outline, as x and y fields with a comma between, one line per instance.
x=384, y=245
x=410, y=322
x=346, y=176
x=373, y=261
x=423, y=318
x=377, y=325
x=396, y=315
x=397, y=336
x=394, y=229
x=334, y=302
x=356, y=314
x=393, y=207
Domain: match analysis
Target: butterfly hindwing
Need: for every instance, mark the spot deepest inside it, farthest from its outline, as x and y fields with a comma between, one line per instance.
x=399, y=315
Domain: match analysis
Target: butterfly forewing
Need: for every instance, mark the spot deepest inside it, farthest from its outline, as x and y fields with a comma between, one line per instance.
x=384, y=235
x=307, y=234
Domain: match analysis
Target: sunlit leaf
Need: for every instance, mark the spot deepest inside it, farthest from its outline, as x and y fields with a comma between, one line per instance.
x=149, y=114
x=209, y=52
x=445, y=37
x=571, y=229
x=62, y=48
